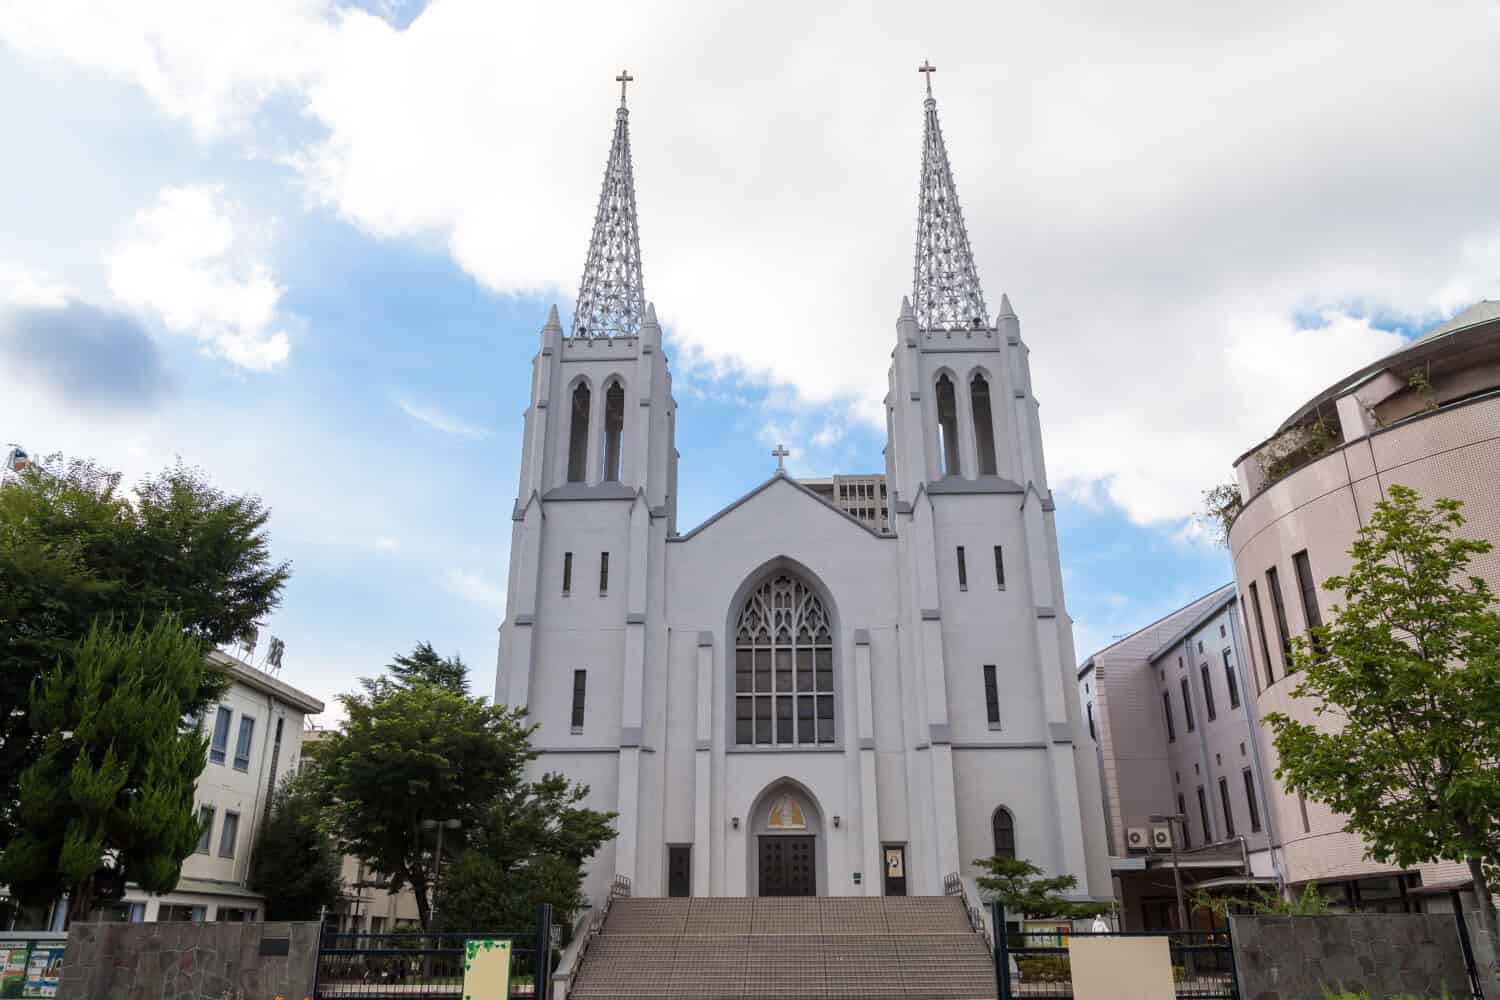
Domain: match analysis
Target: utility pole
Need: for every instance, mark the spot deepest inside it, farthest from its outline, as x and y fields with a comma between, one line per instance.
x=1172, y=822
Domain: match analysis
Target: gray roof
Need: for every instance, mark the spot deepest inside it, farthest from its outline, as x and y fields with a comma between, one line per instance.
x=1226, y=597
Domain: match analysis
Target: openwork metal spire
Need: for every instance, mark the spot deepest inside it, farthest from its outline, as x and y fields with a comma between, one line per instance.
x=945, y=284
x=611, y=296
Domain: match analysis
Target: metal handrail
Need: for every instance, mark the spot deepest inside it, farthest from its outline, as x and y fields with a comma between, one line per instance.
x=953, y=885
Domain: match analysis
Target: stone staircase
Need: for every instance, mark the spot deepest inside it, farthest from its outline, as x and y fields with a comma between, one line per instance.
x=870, y=948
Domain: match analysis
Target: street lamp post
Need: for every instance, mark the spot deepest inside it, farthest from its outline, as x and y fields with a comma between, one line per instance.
x=437, y=861
x=1172, y=822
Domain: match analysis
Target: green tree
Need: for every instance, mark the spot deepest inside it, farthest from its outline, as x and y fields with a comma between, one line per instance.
x=296, y=865
x=110, y=798
x=1019, y=885
x=1404, y=686
x=413, y=753
x=1311, y=903
x=529, y=847
x=423, y=665
x=74, y=547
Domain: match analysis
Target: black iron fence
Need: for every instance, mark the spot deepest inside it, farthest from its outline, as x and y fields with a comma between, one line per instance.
x=1035, y=965
x=420, y=966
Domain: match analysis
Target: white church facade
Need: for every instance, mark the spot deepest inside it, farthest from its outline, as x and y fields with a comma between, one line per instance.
x=789, y=699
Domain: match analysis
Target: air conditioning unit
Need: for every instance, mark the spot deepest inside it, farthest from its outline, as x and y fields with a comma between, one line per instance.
x=1136, y=838
x=1161, y=837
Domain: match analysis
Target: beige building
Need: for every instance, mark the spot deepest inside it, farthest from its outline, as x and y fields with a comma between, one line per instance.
x=255, y=739
x=1170, y=721
x=1427, y=417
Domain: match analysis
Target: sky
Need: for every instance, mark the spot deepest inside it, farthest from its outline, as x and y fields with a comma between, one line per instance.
x=307, y=246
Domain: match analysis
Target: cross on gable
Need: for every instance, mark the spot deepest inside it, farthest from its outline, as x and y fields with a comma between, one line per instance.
x=780, y=455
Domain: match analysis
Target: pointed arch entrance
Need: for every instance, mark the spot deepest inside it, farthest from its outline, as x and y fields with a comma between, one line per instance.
x=788, y=853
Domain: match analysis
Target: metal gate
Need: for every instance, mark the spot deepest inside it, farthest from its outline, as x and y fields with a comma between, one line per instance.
x=421, y=966
x=1034, y=965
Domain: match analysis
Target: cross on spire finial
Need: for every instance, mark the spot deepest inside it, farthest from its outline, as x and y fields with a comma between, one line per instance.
x=623, y=79
x=927, y=69
x=780, y=455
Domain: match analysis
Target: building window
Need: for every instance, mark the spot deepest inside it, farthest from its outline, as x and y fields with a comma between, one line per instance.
x=1278, y=609
x=999, y=567
x=1221, y=631
x=1003, y=826
x=1208, y=693
x=992, y=695
x=236, y=915
x=1166, y=704
x=1260, y=631
x=1309, y=590
x=567, y=573
x=580, y=683
x=229, y=834
x=1250, y=800
x=1187, y=837
x=180, y=913
x=578, y=435
x=275, y=760
x=783, y=676
x=984, y=427
x=1228, y=808
x=1187, y=705
x=603, y=573
x=1208, y=829
x=220, y=743
x=242, y=744
x=206, y=825
x=1200, y=647
x=947, y=414
x=1229, y=679
x=1302, y=807
x=963, y=570
x=1092, y=735
x=614, y=430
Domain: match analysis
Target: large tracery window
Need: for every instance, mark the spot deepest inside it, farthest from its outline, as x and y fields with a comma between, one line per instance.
x=783, y=666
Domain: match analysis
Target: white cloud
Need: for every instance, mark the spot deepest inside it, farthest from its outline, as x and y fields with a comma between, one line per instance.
x=439, y=419
x=22, y=286
x=386, y=543
x=182, y=262
x=475, y=588
x=1160, y=191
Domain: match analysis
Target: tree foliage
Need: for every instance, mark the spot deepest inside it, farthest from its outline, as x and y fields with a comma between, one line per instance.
x=1269, y=902
x=75, y=547
x=419, y=751
x=1019, y=886
x=1404, y=687
x=1221, y=505
x=297, y=868
x=110, y=797
x=423, y=665
x=529, y=848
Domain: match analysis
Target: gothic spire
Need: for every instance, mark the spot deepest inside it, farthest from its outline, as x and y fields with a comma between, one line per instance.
x=945, y=284
x=611, y=297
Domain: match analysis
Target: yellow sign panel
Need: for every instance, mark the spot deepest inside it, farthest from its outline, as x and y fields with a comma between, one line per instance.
x=1120, y=968
x=486, y=969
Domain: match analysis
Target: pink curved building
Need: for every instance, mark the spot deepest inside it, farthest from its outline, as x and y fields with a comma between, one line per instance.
x=1428, y=417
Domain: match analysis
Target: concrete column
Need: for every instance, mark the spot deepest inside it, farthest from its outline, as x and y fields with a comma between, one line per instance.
x=703, y=767
x=868, y=856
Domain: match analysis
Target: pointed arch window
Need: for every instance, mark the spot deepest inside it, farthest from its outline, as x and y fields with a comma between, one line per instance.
x=1004, y=828
x=614, y=430
x=578, y=434
x=947, y=415
x=783, y=666
x=984, y=427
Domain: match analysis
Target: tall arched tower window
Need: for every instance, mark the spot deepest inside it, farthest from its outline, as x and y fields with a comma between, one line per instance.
x=1004, y=826
x=578, y=435
x=614, y=430
x=984, y=427
x=947, y=415
x=783, y=666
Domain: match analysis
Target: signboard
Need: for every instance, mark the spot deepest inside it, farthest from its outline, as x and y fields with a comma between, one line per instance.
x=487, y=969
x=895, y=862
x=43, y=970
x=1047, y=933
x=13, y=967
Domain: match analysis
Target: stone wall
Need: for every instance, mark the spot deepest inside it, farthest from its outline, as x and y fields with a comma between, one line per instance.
x=1293, y=958
x=183, y=961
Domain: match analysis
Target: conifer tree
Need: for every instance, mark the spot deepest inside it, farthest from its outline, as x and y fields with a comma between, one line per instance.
x=296, y=865
x=110, y=797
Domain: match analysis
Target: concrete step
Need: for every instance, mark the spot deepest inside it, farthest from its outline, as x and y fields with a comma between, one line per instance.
x=884, y=948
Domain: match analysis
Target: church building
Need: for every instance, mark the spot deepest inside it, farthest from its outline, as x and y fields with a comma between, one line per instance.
x=854, y=686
